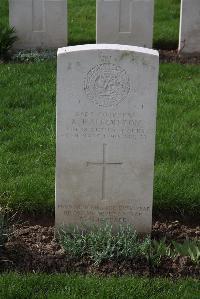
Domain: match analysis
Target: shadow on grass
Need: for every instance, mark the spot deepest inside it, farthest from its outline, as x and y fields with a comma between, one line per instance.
x=81, y=42
x=162, y=44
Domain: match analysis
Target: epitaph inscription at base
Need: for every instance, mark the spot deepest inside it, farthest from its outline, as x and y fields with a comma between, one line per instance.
x=106, y=115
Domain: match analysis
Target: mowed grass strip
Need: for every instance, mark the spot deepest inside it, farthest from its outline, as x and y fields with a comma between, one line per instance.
x=166, y=24
x=27, y=150
x=4, y=13
x=43, y=286
x=177, y=176
x=27, y=138
x=82, y=21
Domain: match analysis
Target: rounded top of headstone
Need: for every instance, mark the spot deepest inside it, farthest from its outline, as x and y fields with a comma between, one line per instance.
x=112, y=47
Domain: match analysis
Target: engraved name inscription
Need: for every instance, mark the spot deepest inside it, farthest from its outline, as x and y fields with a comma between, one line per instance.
x=113, y=125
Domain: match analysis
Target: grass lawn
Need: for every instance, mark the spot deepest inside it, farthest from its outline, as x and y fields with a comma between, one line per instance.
x=43, y=286
x=82, y=20
x=166, y=24
x=4, y=12
x=27, y=139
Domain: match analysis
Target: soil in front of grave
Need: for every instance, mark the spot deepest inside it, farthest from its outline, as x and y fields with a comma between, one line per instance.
x=173, y=56
x=34, y=249
x=166, y=56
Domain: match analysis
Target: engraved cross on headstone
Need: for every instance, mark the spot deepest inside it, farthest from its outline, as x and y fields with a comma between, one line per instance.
x=103, y=164
x=38, y=15
x=125, y=16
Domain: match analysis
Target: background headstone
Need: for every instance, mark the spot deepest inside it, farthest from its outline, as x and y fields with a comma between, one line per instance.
x=39, y=23
x=106, y=117
x=128, y=22
x=189, y=36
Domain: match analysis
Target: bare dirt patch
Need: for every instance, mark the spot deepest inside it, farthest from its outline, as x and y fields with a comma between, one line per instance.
x=173, y=56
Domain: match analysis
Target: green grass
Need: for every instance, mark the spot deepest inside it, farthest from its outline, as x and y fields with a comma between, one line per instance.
x=4, y=11
x=27, y=135
x=41, y=286
x=82, y=21
x=177, y=176
x=166, y=24
x=27, y=139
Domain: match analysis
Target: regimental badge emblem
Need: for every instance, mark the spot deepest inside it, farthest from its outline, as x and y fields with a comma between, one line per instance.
x=107, y=85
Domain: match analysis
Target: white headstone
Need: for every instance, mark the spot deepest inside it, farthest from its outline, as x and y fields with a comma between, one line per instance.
x=39, y=23
x=128, y=22
x=106, y=117
x=189, y=36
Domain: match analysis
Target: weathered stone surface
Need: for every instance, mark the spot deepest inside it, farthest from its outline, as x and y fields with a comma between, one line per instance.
x=39, y=23
x=189, y=36
x=128, y=22
x=106, y=117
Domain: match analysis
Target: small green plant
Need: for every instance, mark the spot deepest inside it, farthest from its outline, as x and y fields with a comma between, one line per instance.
x=190, y=248
x=7, y=222
x=158, y=250
x=7, y=39
x=102, y=244
x=3, y=228
x=34, y=55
